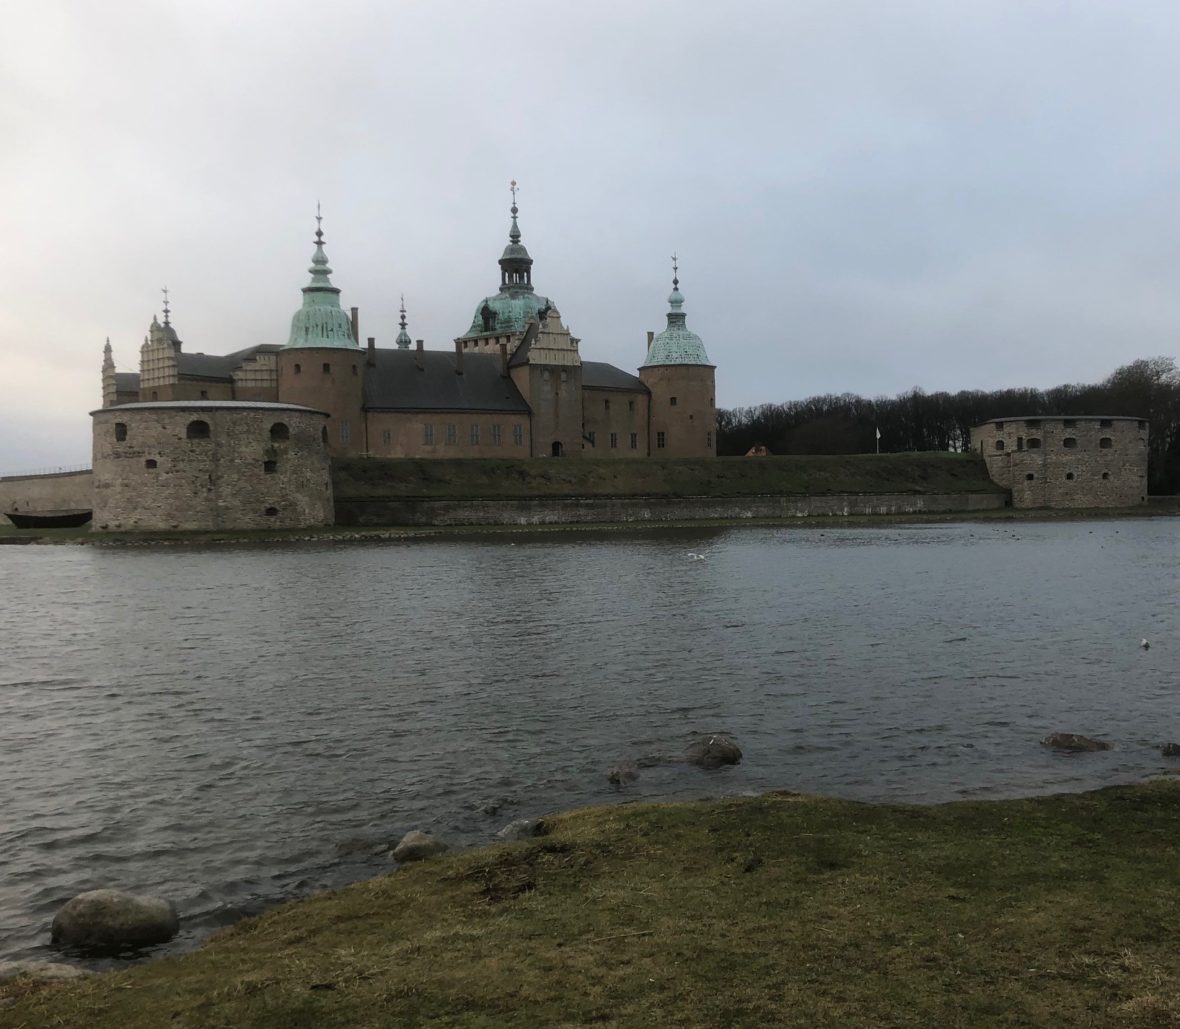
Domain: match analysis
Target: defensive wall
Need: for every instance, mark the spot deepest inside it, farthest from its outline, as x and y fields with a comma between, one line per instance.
x=54, y=491
x=1058, y=462
x=193, y=465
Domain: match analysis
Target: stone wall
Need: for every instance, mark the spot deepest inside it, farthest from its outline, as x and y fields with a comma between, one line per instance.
x=683, y=417
x=1057, y=462
x=617, y=413
x=260, y=466
x=450, y=434
x=59, y=491
x=605, y=510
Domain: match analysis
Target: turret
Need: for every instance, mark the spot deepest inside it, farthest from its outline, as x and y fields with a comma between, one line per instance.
x=110, y=389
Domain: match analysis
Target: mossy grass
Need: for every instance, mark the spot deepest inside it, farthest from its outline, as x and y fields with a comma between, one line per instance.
x=774, y=910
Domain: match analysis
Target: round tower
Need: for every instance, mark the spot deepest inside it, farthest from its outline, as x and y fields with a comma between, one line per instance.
x=677, y=373
x=322, y=366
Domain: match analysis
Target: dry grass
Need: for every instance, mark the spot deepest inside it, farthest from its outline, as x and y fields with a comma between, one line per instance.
x=776, y=910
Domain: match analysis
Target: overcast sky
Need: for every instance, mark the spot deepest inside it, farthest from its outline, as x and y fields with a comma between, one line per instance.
x=865, y=196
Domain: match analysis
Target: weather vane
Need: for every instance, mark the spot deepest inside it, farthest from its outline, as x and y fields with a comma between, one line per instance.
x=675, y=271
x=166, y=312
x=512, y=186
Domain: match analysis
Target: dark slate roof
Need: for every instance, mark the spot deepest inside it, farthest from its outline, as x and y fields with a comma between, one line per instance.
x=396, y=383
x=127, y=382
x=600, y=375
x=521, y=354
x=216, y=366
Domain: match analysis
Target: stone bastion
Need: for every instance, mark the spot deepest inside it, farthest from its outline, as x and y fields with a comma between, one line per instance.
x=1080, y=461
x=210, y=465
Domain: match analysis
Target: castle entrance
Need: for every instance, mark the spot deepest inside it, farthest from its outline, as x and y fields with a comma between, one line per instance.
x=557, y=450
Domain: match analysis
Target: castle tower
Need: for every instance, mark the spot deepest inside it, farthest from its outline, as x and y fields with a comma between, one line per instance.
x=677, y=372
x=403, y=337
x=159, y=359
x=110, y=389
x=321, y=366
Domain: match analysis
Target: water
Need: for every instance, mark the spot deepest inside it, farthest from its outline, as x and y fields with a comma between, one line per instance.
x=231, y=726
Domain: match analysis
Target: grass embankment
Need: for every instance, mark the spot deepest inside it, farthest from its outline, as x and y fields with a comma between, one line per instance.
x=356, y=478
x=776, y=910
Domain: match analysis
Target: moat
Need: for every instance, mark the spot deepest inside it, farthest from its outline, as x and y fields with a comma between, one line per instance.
x=229, y=726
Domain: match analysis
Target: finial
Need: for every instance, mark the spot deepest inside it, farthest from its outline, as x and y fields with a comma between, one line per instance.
x=512, y=186
x=402, y=323
x=675, y=272
x=514, y=233
x=319, y=232
x=166, y=311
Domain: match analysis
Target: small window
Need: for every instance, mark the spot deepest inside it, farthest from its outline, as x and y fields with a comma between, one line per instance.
x=565, y=376
x=197, y=430
x=1032, y=423
x=1029, y=477
x=204, y=394
x=1033, y=443
x=544, y=374
x=150, y=463
x=710, y=401
x=324, y=435
x=1019, y=442
x=1105, y=475
x=271, y=512
x=452, y=434
x=155, y=395
x=999, y=444
x=1105, y=443
x=497, y=436
x=518, y=435
x=660, y=441
x=606, y=405
x=634, y=441
x=1143, y=426
x=474, y=434
x=1069, y=443
x=590, y=437
x=672, y=401
x=279, y=432
x=387, y=437
x=428, y=435
x=630, y=405
x=1105, y=423
x=120, y=432
x=614, y=441
x=354, y=371
x=345, y=431
x=709, y=440
x=999, y=426
x=270, y=467
x=1069, y=423
x=298, y=368
x=327, y=368
x=1069, y=476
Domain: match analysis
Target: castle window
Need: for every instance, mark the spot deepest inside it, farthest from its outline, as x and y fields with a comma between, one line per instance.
x=518, y=435
x=709, y=440
x=634, y=441
x=544, y=374
x=279, y=432
x=327, y=368
x=999, y=444
x=120, y=432
x=354, y=372
x=1105, y=423
x=1029, y=477
x=630, y=405
x=474, y=436
x=660, y=441
x=590, y=437
x=324, y=435
x=204, y=394
x=1032, y=423
x=197, y=430
x=1069, y=476
x=387, y=437
x=1069, y=423
x=271, y=512
x=428, y=435
x=452, y=434
x=298, y=368
x=564, y=376
x=155, y=395
x=614, y=441
x=150, y=463
x=1106, y=475
x=270, y=467
x=1069, y=442
x=1034, y=443
x=710, y=401
x=999, y=426
x=497, y=436
x=345, y=431
x=606, y=405
x=672, y=401
x=1143, y=426
x=1105, y=443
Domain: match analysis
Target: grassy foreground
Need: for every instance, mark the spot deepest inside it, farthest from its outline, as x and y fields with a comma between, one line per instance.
x=776, y=910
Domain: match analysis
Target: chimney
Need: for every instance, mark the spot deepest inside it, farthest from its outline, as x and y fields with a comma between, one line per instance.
x=504, y=359
x=458, y=358
x=418, y=355
x=356, y=326
x=372, y=358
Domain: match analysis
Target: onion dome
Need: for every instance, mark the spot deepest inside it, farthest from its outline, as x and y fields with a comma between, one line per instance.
x=676, y=344
x=320, y=322
x=403, y=337
x=511, y=309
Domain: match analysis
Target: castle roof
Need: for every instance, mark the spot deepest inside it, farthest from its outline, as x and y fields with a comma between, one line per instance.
x=320, y=322
x=396, y=383
x=677, y=344
x=600, y=375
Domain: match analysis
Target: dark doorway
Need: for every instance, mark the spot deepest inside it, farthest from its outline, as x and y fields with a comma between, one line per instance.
x=557, y=451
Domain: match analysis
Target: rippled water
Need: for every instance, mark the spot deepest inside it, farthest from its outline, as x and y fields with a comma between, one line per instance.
x=234, y=725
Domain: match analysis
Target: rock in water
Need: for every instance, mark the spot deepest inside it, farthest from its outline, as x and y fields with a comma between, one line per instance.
x=521, y=829
x=113, y=920
x=1072, y=743
x=1170, y=750
x=624, y=772
x=713, y=752
x=417, y=846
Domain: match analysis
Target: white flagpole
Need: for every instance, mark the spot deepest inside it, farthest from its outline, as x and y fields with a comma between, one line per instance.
x=878, y=440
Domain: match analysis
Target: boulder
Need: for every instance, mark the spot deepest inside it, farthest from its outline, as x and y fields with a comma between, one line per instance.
x=43, y=971
x=713, y=752
x=624, y=772
x=521, y=829
x=113, y=920
x=1170, y=750
x=1072, y=743
x=417, y=846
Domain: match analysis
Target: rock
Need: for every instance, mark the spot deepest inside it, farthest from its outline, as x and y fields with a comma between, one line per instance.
x=43, y=971
x=1072, y=743
x=1170, y=750
x=114, y=920
x=713, y=752
x=522, y=829
x=417, y=846
x=625, y=771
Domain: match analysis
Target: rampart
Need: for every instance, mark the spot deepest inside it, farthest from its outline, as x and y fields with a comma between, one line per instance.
x=55, y=491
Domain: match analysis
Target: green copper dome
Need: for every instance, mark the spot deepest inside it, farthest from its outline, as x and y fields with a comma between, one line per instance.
x=511, y=309
x=676, y=344
x=320, y=322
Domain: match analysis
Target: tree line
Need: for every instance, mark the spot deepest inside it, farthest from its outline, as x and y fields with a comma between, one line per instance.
x=916, y=420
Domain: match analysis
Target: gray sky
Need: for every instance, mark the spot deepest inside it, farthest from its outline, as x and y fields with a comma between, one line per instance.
x=865, y=196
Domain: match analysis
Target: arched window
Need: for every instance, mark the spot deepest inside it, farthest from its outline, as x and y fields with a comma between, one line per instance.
x=120, y=432
x=1069, y=476
x=1106, y=443
x=298, y=368
x=1029, y=477
x=279, y=432
x=271, y=512
x=1069, y=442
x=1034, y=443
x=197, y=430
x=150, y=463
x=999, y=444
x=1106, y=475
